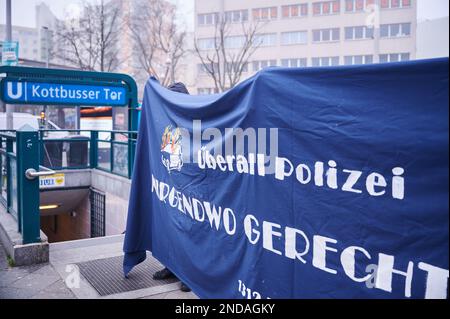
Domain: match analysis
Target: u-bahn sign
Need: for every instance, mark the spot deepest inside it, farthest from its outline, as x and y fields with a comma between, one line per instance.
x=16, y=91
x=30, y=85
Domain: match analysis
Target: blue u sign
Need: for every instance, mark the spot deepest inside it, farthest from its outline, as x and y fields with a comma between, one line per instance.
x=23, y=92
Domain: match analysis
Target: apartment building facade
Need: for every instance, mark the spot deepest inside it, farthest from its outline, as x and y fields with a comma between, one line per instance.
x=304, y=33
x=28, y=38
x=33, y=41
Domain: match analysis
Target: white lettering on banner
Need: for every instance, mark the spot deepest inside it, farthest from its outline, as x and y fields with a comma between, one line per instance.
x=249, y=230
x=385, y=271
x=247, y=292
x=437, y=279
x=268, y=240
x=291, y=244
x=374, y=183
x=348, y=262
x=285, y=241
x=320, y=249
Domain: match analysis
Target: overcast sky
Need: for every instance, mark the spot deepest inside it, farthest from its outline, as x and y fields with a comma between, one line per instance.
x=23, y=10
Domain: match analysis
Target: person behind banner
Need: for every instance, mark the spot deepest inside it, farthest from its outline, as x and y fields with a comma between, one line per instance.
x=166, y=273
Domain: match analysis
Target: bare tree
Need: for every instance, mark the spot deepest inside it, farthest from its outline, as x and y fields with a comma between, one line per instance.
x=158, y=42
x=91, y=42
x=224, y=62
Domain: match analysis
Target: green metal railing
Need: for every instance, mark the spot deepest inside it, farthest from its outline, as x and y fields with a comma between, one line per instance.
x=110, y=151
x=8, y=163
x=19, y=151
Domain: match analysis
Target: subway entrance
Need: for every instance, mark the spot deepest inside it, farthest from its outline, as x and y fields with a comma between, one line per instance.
x=83, y=153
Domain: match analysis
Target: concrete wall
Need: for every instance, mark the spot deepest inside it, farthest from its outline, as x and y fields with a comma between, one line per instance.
x=432, y=38
x=11, y=240
x=308, y=23
x=117, y=193
x=67, y=226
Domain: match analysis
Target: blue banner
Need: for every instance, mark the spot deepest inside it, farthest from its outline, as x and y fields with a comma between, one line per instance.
x=298, y=183
x=23, y=92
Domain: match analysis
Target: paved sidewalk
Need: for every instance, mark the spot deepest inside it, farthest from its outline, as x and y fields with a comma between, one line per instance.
x=47, y=281
x=31, y=282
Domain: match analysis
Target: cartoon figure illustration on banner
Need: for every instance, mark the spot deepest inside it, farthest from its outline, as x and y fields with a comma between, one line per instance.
x=172, y=155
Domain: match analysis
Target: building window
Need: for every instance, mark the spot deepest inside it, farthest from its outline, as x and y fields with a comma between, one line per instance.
x=207, y=91
x=202, y=69
x=265, y=13
x=297, y=37
x=207, y=18
x=265, y=40
x=326, y=35
x=326, y=7
x=206, y=44
x=358, y=59
x=294, y=63
x=258, y=65
x=394, y=4
x=236, y=16
x=234, y=42
x=325, y=61
x=394, y=57
x=295, y=10
x=232, y=67
x=207, y=69
x=395, y=30
x=357, y=5
x=359, y=32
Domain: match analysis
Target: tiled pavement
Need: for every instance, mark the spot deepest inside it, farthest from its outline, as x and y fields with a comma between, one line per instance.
x=40, y=281
x=46, y=281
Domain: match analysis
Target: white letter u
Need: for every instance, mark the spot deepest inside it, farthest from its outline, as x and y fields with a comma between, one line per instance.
x=18, y=94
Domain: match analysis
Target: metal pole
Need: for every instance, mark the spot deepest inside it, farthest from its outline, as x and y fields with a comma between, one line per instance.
x=9, y=108
x=77, y=124
x=28, y=189
x=44, y=107
x=8, y=21
x=47, y=46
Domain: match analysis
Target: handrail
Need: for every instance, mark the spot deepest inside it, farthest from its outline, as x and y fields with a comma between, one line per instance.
x=114, y=158
x=19, y=166
x=31, y=173
x=8, y=135
x=27, y=155
x=117, y=158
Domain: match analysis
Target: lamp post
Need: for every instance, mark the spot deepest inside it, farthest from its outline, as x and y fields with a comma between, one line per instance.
x=46, y=46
